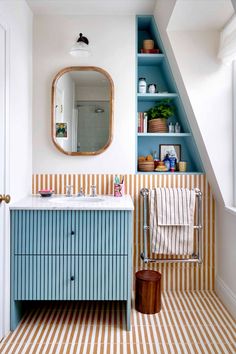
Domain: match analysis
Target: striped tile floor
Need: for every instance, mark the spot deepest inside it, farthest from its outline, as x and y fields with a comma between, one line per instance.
x=190, y=322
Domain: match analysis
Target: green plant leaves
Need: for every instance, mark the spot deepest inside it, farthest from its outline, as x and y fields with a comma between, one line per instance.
x=162, y=109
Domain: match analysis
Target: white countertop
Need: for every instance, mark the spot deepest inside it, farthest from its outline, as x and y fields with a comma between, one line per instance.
x=60, y=202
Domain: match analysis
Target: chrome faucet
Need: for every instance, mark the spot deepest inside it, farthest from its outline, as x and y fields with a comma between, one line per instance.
x=93, y=191
x=68, y=191
x=81, y=193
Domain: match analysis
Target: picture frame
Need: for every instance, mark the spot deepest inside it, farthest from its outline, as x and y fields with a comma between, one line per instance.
x=174, y=148
x=61, y=130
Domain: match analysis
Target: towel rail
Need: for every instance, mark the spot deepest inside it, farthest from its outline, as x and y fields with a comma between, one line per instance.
x=196, y=257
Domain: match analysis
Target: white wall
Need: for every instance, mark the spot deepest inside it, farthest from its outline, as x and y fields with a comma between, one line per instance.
x=209, y=87
x=18, y=19
x=163, y=13
x=113, y=48
x=226, y=257
x=206, y=88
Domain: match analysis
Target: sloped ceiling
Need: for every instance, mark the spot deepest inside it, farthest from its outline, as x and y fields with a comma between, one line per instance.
x=200, y=15
x=190, y=33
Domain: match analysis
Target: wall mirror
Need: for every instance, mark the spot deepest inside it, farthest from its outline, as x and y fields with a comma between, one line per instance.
x=82, y=110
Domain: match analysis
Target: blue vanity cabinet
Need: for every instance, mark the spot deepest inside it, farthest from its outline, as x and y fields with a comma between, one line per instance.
x=70, y=255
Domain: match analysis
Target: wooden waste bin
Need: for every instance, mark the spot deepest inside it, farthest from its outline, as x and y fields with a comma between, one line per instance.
x=148, y=291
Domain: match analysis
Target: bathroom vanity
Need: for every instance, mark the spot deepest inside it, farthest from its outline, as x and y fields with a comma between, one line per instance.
x=71, y=249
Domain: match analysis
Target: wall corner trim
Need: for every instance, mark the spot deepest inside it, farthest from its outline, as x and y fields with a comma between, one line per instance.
x=231, y=210
x=226, y=295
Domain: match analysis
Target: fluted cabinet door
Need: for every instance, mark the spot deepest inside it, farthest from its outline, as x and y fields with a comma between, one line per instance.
x=62, y=232
x=41, y=278
x=70, y=278
x=96, y=278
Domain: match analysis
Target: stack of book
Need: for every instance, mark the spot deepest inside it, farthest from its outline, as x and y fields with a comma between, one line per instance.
x=142, y=122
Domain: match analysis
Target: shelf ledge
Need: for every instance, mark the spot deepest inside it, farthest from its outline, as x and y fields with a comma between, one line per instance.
x=155, y=96
x=172, y=135
x=170, y=173
x=150, y=59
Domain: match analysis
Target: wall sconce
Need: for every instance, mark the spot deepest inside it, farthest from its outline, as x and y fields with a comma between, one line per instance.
x=81, y=47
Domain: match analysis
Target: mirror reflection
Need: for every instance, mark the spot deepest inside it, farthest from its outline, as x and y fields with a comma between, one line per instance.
x=82, y=110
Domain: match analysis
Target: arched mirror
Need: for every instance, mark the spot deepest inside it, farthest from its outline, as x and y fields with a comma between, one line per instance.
x=82, y=110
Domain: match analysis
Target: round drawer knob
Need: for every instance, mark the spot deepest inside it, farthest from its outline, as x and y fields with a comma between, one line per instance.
x=72, y=232
x=72, y=278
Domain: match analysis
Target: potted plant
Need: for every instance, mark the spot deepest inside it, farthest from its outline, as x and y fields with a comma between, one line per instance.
x=158, y=115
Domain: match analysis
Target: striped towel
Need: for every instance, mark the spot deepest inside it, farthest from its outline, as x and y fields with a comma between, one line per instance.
x=171, y=220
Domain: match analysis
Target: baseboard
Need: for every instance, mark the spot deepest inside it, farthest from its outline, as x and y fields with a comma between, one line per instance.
x=226, y=295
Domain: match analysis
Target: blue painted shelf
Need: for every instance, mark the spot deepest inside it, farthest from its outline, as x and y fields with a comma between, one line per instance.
x=155, y=96
x=170, y=173
x=155, y=68
x=150, y=59
x=172, y=135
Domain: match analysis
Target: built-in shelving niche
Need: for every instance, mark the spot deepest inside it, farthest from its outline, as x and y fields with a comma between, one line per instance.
x=156, y=69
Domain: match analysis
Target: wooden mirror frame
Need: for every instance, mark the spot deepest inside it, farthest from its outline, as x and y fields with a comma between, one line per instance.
x=111, y=104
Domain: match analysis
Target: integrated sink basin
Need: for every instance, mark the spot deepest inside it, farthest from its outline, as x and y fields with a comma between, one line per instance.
x=78, y=200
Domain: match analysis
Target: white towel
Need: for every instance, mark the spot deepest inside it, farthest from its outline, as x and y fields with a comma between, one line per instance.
x=175, y=206
x=171, y=220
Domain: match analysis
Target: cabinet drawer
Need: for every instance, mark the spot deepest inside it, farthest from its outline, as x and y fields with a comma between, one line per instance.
x=70, y=277
x=59, y=232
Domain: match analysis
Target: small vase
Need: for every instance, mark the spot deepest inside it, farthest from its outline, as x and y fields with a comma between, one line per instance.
x=157, y=125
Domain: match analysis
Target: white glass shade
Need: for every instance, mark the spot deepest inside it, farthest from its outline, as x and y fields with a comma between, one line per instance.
x=80, y=49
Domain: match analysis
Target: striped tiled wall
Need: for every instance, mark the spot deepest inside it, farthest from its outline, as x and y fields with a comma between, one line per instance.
x=175, y=276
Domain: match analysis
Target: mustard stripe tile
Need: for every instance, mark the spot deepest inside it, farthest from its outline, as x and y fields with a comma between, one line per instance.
x=216, y=301
x=190, y=337
x=172, y=339
x=202, y=323
x=49, y=326
x=165, y=331
x=71, y=328
x=28, y=333
x=222, y=343
x=227, y=334
x=222, y=316
x=38, y=334
x=34, y=334
x=163, y=343
x=17, y=336
x=198, y=323
x=175, y=327
x=184, y=309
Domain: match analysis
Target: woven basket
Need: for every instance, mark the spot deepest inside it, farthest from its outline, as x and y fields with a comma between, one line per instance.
x=157, y=125
x=146, y=166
